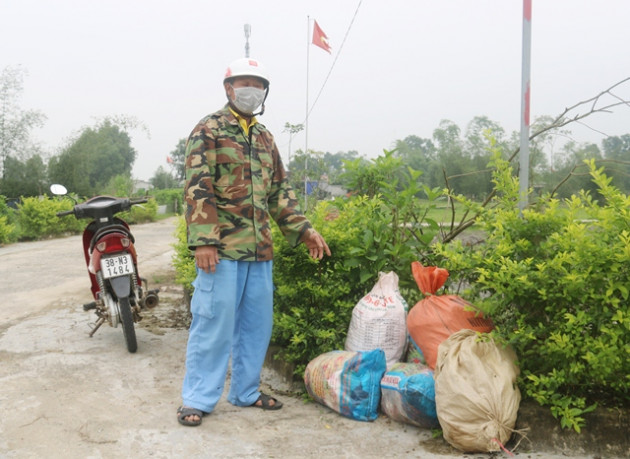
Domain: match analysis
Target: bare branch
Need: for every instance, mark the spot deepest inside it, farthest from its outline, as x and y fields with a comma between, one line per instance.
x=469, y=173
x=564, y=180
x=596, y=98
x=559, y=121
x=620, y=99
x=593, y=129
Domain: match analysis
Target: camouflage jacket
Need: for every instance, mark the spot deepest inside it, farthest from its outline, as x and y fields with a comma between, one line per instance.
x=234, y=183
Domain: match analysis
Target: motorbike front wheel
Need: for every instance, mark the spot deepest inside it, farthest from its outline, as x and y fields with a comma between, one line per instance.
x=126, y=317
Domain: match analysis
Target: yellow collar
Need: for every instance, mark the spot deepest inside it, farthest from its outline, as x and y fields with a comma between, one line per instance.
x=243, y=121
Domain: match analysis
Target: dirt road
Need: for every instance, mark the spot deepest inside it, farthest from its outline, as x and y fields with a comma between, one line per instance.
x=64, y=394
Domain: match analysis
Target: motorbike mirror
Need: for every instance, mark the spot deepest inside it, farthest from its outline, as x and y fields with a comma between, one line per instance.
x=58, y=189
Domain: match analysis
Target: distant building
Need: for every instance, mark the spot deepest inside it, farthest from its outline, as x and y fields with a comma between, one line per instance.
x=331, y=191
x=141, y=185
x=334, y=191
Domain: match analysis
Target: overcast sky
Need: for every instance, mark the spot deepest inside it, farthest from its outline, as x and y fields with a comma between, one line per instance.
x=404, y=66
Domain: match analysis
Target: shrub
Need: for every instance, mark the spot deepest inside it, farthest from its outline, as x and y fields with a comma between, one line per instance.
x=8, y=230
x=313, y=300
x=36, y=218
x=172, y=198
x=142, y=213
x=66, y=224
x=556, y=285
x=183, y=261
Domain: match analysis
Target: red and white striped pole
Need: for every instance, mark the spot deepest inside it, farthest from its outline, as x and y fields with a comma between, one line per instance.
x=525, y=98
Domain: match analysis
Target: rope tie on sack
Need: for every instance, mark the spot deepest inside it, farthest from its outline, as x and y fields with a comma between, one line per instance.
x=520, y=432
x=502, y=447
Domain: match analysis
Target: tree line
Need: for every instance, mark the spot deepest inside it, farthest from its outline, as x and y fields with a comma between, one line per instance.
x=459, y=160
x=97, y=159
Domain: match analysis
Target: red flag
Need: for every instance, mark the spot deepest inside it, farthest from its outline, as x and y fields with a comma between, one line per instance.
x=319, y=38
x=169, y=160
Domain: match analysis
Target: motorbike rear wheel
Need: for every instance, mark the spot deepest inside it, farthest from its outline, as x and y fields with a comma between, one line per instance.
x=126, y=317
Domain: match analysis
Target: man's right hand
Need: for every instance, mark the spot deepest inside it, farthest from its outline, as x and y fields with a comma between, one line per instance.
x=207, y=258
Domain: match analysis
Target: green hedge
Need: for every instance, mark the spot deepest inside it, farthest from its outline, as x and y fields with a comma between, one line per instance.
x=555, y=281
x=8, y=228
x=141, y=213
x=313, y=300
x=183, y=261
x=35, y=218
x=173, y=198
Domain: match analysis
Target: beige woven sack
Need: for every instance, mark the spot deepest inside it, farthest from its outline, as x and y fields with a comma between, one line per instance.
x=476, y=395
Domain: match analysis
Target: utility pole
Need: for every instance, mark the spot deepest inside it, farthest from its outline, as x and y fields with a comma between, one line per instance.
x=248, y=30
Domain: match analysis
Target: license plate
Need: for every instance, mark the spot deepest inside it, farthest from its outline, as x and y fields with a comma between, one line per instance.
x=120, y=265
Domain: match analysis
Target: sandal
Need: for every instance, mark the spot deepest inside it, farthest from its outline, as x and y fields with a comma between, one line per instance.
x=264, y=402
x=184, y=411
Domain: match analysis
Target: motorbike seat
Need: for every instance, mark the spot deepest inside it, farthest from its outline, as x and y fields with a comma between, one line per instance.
x=110, y=230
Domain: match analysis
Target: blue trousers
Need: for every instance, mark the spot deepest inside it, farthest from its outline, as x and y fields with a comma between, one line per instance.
x=232, y=315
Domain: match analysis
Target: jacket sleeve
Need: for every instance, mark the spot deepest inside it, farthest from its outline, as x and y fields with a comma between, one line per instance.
x=201, y=207
x=283, y=203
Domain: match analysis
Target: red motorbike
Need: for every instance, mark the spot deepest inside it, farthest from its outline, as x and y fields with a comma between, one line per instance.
x=108, y=245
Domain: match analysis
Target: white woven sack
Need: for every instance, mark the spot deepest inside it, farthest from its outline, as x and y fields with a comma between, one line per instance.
x=379, y=320
x=476, y=395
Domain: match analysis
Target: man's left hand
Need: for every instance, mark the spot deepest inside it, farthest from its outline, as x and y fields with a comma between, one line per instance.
x=316, y=244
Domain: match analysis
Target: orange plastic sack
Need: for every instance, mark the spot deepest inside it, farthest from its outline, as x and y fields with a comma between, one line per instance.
x=434, y=318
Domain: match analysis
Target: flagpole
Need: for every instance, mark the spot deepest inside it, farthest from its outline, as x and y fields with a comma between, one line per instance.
x=308, y=26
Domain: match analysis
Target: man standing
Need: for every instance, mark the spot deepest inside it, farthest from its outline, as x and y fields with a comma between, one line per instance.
x=235, y=181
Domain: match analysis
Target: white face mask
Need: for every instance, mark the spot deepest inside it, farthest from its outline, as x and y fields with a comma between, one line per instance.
x=248, y=99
